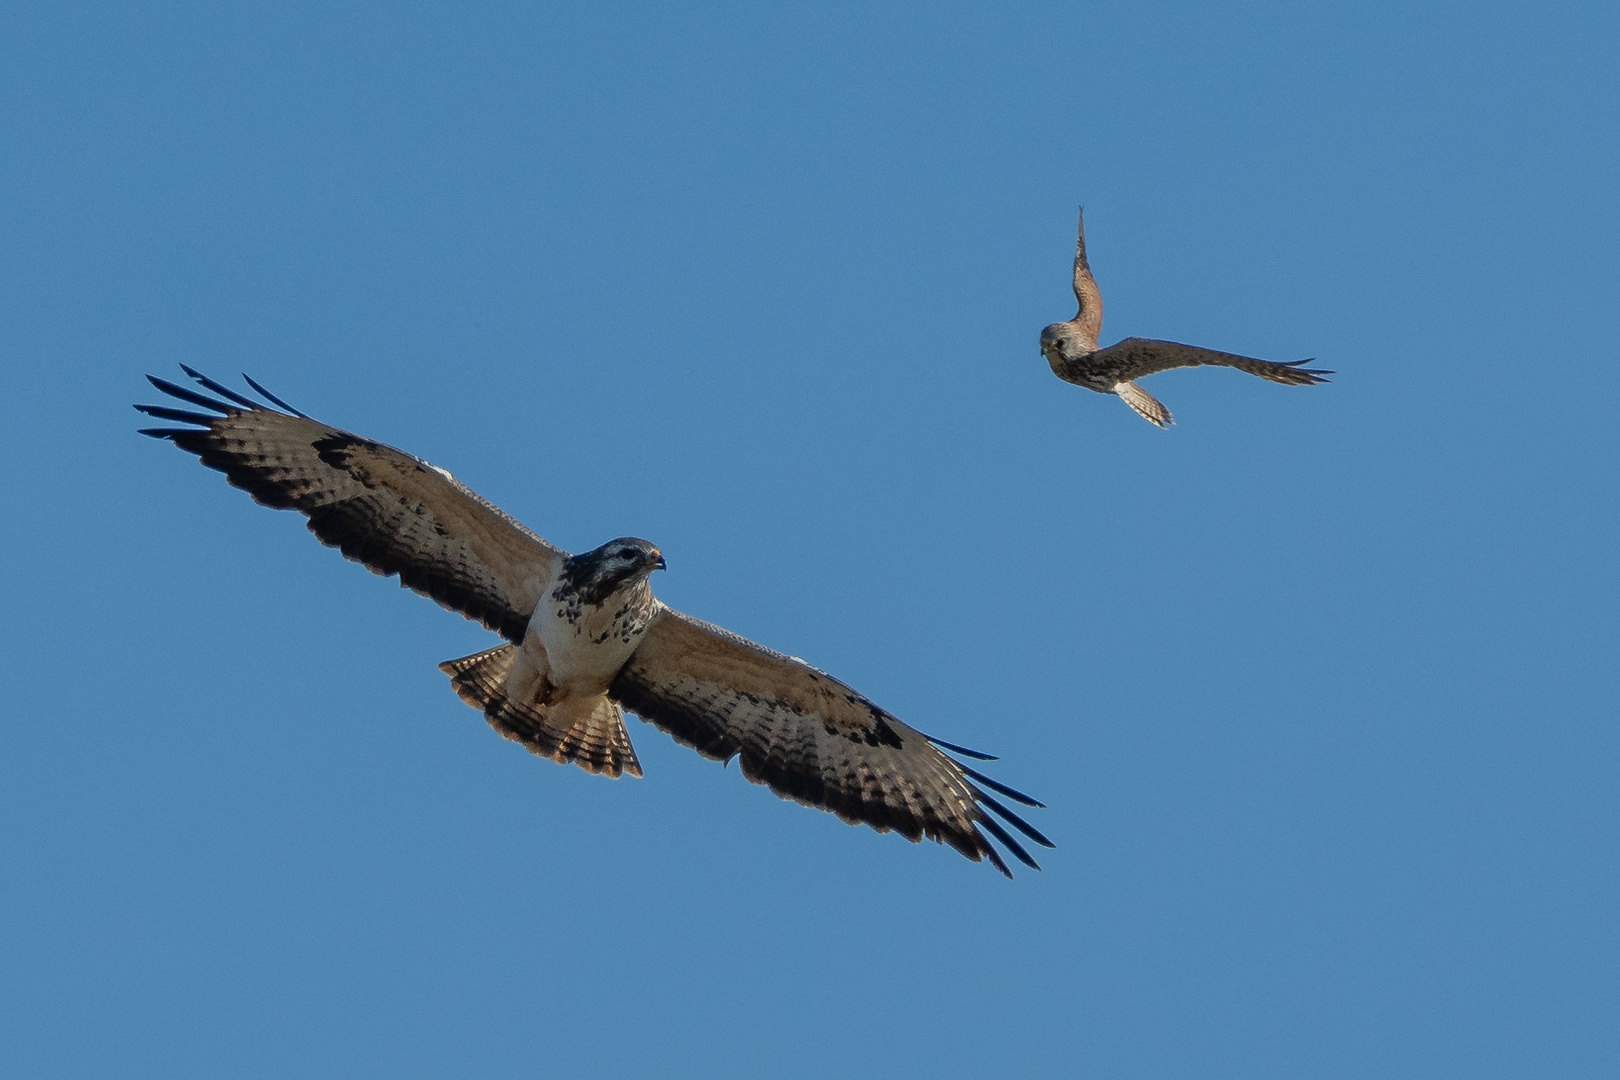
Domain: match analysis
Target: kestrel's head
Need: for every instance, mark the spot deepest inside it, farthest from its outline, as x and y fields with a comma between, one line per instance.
x=598, y=574
x=1066, y=340
x=1049, y=338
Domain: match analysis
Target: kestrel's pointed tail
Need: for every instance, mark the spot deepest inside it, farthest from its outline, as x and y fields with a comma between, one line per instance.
x=1146, y=405
x=586, y=731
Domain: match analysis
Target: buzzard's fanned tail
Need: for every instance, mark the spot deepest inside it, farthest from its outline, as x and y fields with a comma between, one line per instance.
x=589, y=733
x=481, y=677
x=592, y=735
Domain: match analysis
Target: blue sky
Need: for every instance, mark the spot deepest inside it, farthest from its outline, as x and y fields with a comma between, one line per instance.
x=1319, y=685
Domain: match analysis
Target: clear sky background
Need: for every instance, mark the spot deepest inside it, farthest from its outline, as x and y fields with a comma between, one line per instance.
x=1320, y=685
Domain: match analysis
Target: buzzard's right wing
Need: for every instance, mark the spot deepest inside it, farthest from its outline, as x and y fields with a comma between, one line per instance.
x=392, y=512
x=810, y=738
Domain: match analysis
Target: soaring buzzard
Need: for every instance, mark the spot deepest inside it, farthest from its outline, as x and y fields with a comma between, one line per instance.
x=585, y=636
x=1071, y=350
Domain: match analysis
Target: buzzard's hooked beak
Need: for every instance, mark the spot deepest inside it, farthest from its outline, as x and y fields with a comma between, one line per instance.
x=658, y=560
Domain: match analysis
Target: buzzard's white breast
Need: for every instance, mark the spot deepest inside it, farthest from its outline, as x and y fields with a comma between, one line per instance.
x=586, y=645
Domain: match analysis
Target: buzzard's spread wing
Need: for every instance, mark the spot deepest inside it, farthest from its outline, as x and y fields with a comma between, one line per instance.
x=1135, y=357
x=811, y=738
x=379, y=506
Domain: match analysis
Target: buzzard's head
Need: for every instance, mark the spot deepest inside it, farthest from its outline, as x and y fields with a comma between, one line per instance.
x=596, y=575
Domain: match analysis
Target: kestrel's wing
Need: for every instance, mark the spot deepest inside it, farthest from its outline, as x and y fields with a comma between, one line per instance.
x=1086, y=293
x=810, y=738
x=1136, y=357
x=394, y=513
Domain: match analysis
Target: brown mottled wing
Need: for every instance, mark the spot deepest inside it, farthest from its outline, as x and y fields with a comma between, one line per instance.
x=1086, y=294
x=809, y=738
x=381, y=507
x=1136, y=357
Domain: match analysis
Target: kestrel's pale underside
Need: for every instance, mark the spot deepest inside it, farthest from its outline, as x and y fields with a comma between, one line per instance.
x=1071, y=350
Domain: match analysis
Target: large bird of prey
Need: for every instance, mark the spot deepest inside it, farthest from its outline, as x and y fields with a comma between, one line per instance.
x=585, y=638
x=1071, y=350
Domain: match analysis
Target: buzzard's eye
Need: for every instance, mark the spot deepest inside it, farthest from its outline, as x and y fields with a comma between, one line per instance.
x=629, y=553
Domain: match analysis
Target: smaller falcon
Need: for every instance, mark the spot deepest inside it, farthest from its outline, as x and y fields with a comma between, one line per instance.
x=1071, y=349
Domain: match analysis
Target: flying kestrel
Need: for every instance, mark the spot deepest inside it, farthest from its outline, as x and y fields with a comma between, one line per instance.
x=585, y=637
x=1071, y=350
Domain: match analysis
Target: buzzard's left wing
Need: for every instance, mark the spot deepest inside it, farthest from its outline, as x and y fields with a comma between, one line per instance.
x=1135, y=357
x=810, y=738
x=379, y=506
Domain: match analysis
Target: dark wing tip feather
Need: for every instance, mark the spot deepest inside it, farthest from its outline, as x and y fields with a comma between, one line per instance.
x=1014, y=820
x=238, y=402
x=995, y=859
x=988, y=803
x=1010, y=844
x=163, y=432
x=182, y=415
x=192, y=396
x=953, y=748
x=1299, y=366
x=268, y=396
x=1011, y=793
x=220, y=389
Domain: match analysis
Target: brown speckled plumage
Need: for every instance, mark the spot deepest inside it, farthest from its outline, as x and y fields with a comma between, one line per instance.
x=585, y=635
